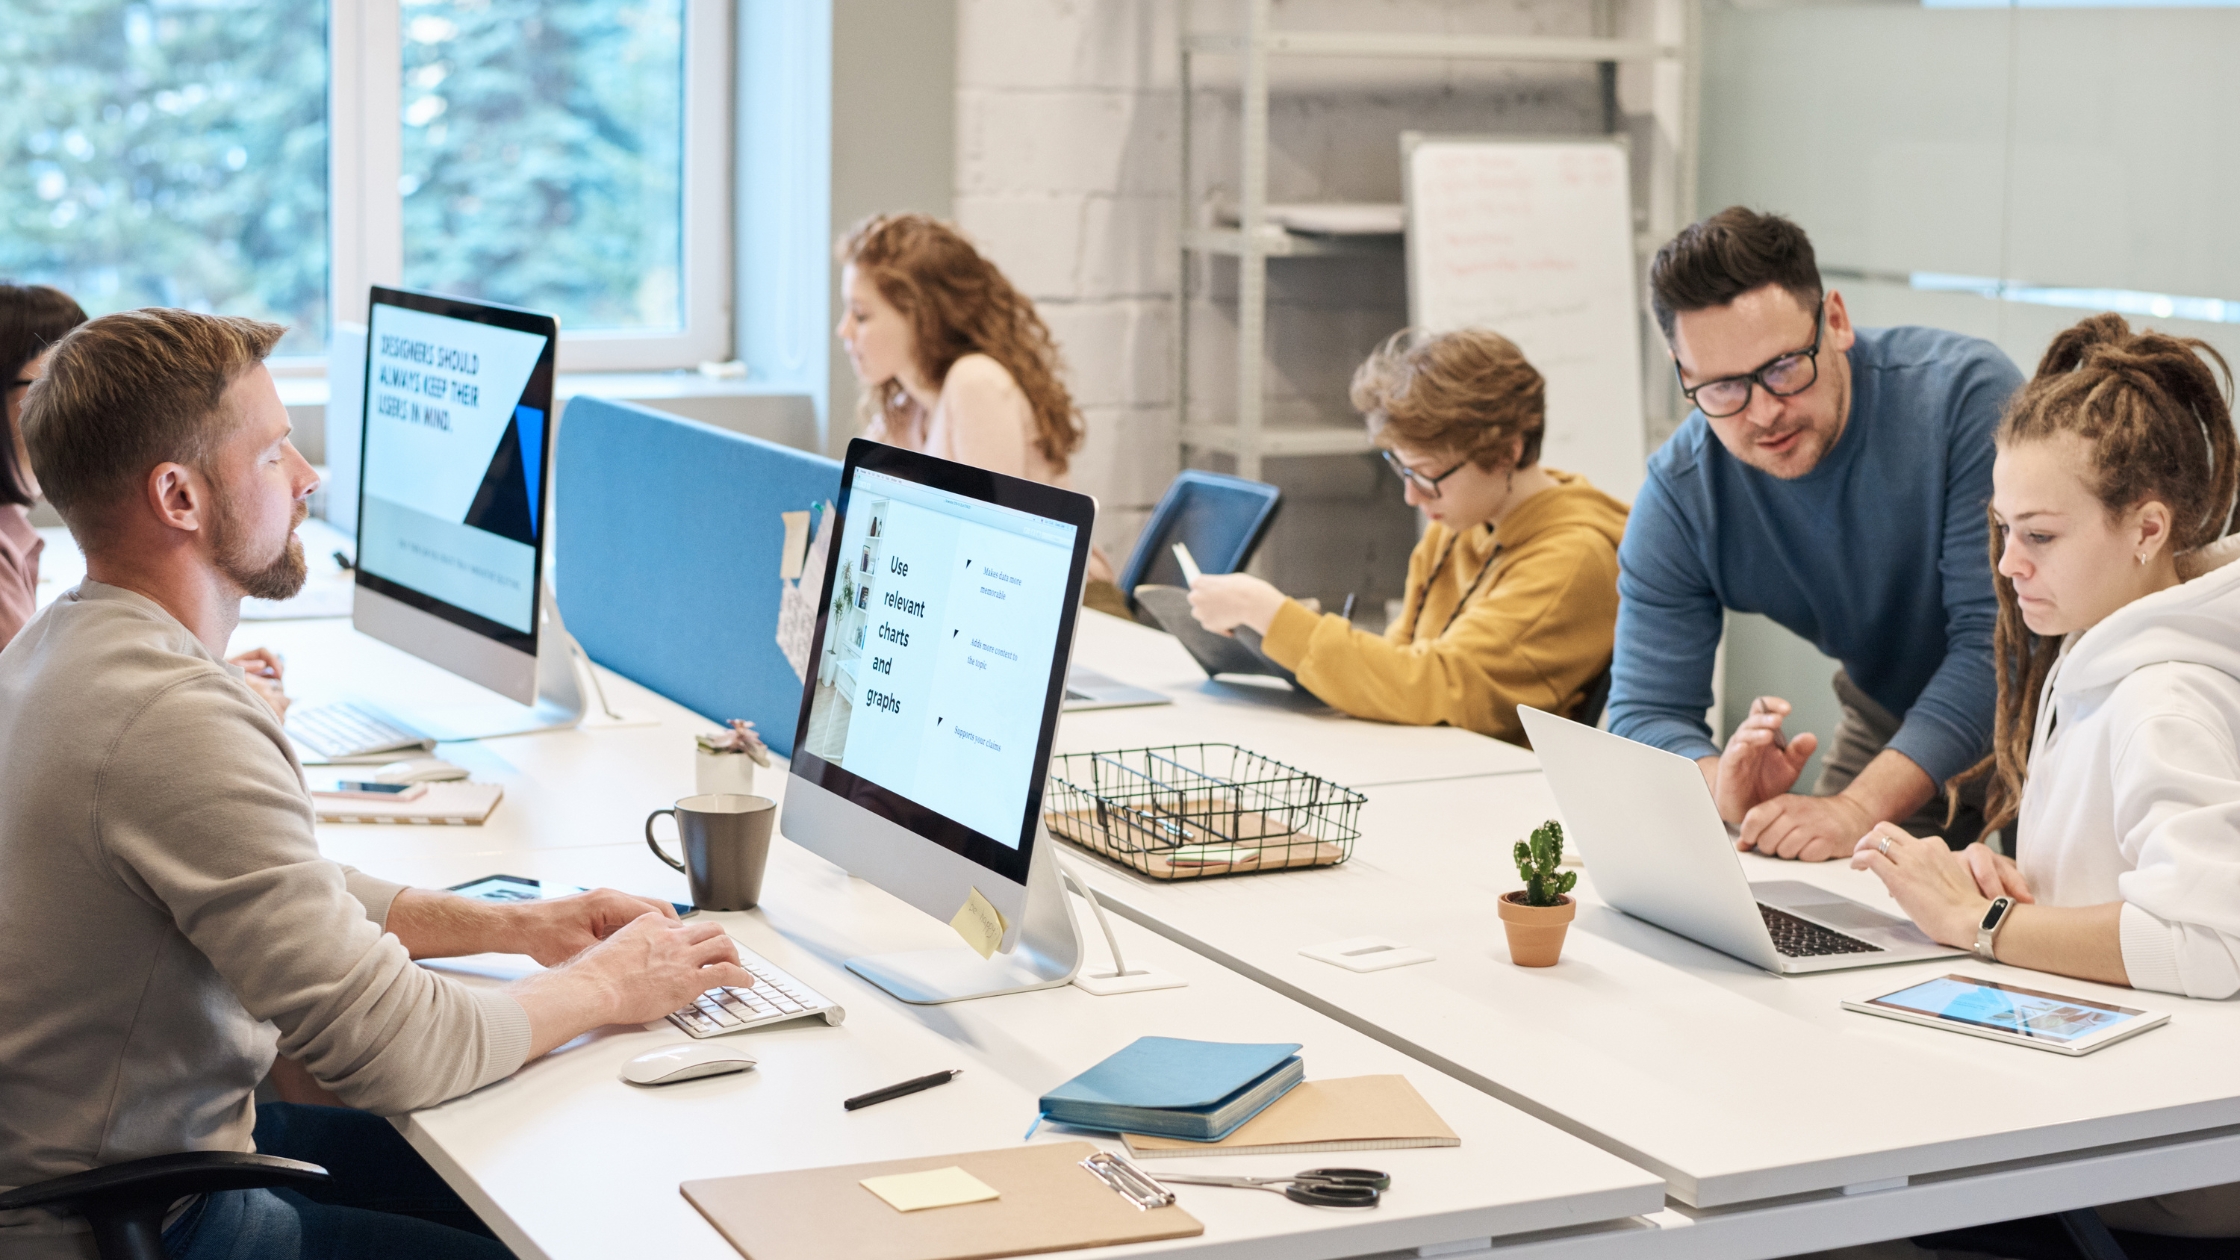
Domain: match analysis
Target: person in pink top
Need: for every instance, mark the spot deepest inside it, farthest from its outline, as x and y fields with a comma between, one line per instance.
x=954, y=361
x=32, y=317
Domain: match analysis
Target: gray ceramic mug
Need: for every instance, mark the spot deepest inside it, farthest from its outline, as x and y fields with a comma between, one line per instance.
x=726, y=842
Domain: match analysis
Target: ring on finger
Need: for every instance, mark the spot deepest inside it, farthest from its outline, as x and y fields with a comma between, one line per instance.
x=1884, y=845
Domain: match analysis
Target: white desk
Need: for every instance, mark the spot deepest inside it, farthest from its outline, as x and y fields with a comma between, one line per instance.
x=1754, y=1096
x=565, y=1160
x=1270, y=719
x=1741, y=1087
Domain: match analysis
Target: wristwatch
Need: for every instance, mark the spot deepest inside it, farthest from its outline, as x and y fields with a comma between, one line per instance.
x=1987, y=932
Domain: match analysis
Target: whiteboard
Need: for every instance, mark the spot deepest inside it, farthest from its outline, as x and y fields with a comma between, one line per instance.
x=1534, y=240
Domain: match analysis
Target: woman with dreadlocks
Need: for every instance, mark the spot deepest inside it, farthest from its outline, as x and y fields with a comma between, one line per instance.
x=2116, y=754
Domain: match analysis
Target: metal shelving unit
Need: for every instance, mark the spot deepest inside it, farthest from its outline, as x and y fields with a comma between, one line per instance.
x=1254, y=240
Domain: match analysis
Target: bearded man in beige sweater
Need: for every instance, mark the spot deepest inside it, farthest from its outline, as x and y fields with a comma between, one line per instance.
x=166, y=921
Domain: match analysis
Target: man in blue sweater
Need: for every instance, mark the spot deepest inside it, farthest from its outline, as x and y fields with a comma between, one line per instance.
x=1834, y=479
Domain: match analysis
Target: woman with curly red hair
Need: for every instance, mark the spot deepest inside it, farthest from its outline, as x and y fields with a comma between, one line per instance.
x=954, y=360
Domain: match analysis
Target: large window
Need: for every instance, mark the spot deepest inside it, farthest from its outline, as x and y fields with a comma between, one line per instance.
x=170, y=153
x=563, y=155
x=543, y=156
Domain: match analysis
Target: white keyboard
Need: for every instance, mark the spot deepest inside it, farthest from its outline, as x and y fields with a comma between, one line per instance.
x=351, y=730
x=775, y=998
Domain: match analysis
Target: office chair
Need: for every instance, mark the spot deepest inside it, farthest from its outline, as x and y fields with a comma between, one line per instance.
x=1220, y=518
x=125, y=1203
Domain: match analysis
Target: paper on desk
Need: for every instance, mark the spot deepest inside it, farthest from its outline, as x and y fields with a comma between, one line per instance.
x=936, y=1187
x=800, y=582
x=979, y=923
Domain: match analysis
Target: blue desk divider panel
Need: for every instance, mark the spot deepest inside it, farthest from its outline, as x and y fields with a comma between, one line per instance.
x=668, y=552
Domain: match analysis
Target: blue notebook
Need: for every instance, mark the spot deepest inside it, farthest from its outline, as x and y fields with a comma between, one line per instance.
x=1196, y=1090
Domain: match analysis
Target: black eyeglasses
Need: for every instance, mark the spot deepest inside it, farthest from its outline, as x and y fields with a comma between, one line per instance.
x=1785, y=377
x=1428, y=487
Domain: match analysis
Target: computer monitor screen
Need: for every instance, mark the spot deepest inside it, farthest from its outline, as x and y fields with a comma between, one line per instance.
x=451, y=507
x=940, y=650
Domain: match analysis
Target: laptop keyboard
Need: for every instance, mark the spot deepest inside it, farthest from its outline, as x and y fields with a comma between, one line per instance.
x=1802, y=938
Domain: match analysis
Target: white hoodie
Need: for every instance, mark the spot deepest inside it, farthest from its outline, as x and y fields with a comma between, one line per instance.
x=2134, y=785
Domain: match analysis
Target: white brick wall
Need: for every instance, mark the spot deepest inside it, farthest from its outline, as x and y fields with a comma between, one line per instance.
x=1067, y=176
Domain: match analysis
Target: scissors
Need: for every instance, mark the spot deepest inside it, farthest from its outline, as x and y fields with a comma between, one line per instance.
x=1322, y=1187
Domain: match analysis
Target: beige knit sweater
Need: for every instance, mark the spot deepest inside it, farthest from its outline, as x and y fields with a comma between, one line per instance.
x=166, y=919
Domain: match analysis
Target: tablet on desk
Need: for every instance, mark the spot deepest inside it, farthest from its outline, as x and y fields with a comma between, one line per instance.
x=504, y=888
x=2006, y=1012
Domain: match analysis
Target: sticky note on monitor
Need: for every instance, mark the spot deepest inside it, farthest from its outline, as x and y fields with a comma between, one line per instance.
x=979, y=923
x=934, y=1188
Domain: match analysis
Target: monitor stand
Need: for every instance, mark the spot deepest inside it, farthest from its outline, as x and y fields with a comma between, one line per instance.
x=1048, y=953
x=559, y=704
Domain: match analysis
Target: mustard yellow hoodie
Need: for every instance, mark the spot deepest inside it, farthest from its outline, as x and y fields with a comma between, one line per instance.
x=1537, y=630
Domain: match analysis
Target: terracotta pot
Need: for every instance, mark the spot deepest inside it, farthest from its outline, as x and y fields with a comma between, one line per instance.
x=1535, y=932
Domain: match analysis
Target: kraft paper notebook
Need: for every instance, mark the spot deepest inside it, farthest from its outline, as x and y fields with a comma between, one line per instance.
x=1352, y=1113
x=1046, y=1201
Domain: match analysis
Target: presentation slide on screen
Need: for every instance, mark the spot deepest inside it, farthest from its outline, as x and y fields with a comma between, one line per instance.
x=2050, y=1018
x=453, y=462
x=938, y=647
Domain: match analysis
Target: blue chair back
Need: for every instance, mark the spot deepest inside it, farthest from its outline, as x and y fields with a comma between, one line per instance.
x=1220, y=518
x=666, y=560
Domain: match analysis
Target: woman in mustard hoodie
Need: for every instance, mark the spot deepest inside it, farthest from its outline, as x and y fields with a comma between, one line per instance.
x=1512, y=593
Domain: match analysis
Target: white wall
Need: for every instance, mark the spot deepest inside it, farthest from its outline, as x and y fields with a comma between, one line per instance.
x=1065, y=175
x=1067, y=155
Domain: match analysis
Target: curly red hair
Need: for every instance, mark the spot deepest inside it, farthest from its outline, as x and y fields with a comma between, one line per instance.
x=958, y=303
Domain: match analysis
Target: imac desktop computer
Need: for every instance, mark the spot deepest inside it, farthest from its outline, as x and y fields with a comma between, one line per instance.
x=924, y=738
x=451, y=519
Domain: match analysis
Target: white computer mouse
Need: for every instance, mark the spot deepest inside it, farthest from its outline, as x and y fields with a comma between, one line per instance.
x=684, y=1061
x=420, y=770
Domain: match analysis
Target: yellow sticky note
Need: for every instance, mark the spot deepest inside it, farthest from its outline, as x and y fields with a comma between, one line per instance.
x=796, y=544
x=979, y=923
x=938, y=1187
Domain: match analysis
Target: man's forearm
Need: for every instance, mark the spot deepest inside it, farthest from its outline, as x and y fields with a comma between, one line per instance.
x=1891, y=788
x=562, y=1005
x=444, y=925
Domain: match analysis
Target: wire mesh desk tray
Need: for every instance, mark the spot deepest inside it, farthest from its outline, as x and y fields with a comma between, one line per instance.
x=1193, y=811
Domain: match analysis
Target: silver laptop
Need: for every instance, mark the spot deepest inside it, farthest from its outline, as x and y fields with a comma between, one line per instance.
x=1659, y=851
x=1088, y=689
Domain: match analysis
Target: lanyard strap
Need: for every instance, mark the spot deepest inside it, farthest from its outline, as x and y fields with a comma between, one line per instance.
x=1461, y=604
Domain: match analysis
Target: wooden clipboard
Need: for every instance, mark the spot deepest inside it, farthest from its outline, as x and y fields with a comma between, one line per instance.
x=1047, y=1202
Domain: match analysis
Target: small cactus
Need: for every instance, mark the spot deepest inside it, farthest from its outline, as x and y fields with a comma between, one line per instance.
x=1537, y=861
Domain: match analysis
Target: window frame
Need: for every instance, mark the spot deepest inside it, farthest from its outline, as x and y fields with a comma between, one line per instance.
x=366, y=211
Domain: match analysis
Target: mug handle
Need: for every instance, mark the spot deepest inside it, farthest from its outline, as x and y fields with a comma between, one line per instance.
x=655, y=845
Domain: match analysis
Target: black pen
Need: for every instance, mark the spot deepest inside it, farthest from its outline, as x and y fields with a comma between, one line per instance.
x=892, y=1092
